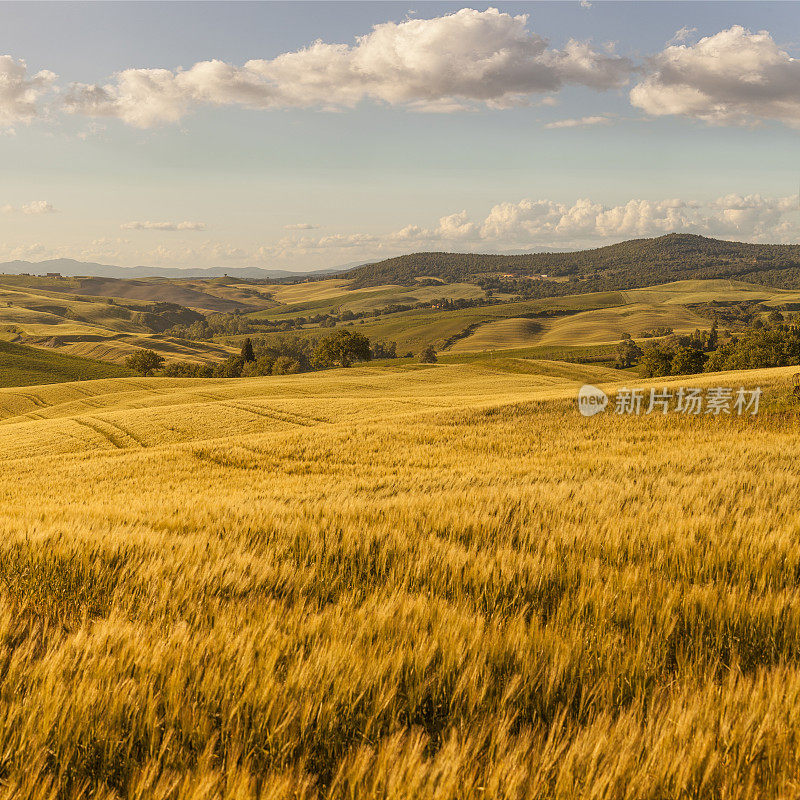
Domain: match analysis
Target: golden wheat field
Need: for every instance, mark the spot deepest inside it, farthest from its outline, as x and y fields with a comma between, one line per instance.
x=426, y=582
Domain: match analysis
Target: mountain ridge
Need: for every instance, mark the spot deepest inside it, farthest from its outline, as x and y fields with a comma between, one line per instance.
x=69, y=267
x=629, y=264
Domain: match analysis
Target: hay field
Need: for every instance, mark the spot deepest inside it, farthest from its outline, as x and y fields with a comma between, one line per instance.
x=25, y=366
x=503, y=334
x=87, y=327
x=704, y=291
x=600, y=326
x=637, y=310
x=427, y=582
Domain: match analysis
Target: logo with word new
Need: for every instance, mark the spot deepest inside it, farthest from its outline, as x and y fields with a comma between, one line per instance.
x=591, y=400
x=714, y=400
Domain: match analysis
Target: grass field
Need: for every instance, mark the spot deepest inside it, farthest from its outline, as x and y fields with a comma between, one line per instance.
x=25, y=366
x=637, y=310
x=414, y=330
x=423, y=582
x=51, y=313
x=703, y=291
x=333, y=296
x=56, y=322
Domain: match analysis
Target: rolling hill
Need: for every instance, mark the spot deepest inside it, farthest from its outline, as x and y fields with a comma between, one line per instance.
x=71, y=268
x=412, y=582
x=26, y=366
x=51, y=314
x=638, y=262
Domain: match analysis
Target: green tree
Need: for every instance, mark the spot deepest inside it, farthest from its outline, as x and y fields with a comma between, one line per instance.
x=285, y=366
x=428, y=355
x=687, y=361
x=713, y=337
x=247, y=350
x=342, y=348
x=145, y=362
x=182, y=369
x=230, y=368
x=656, y=361
x=758, y=348
x=628, y=353
x=261, y=366
x=775, y=317
x=384, y=350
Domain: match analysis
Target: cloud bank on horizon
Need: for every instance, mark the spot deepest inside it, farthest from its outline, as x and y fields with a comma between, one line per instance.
x=456, y=62
x=508, y=227
x=164, y=226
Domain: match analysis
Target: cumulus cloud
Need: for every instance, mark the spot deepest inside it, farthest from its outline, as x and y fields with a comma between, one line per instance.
x=732, y=77
x=682, y=35
x=465, y=60
x=163, y=226
x=20, y=92
x=34, y=207
x=517, y=226
x=582, y=122
x=300, y=226
x=542, y=223
x=38, y=207
x=462, y=60
x=539, y=222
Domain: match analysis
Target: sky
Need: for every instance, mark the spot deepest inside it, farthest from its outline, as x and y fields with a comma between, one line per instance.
x=306, y=135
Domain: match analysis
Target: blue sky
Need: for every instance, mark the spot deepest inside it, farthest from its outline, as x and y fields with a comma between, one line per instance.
x=307, y=164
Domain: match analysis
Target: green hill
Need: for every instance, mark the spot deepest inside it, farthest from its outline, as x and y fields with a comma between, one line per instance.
x=627, y=265
x=26, y=366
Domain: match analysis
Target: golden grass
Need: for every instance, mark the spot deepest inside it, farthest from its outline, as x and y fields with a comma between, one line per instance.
x=505, y=333
x=436, y=582
x=599, y=326
x=316, y=290
x=605, y=326
x=640, y=309
x=703, y=291
x=117, y=349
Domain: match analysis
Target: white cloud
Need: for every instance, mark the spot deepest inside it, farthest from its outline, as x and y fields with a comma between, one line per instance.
x=582, y=122
x=34, y=207
x=163, y=226
x=20, y=93
x=534, y=224
x=508, y=227
x=463, y=60
x=682, y=35
x=542, y=223
x=38, y=207
x=300, y=226
x=732, y=77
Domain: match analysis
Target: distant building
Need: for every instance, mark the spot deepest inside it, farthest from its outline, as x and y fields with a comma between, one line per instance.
x=52, y=275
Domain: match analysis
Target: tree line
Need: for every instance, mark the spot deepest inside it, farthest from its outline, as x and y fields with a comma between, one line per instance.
x=627, y=265
x=277, y=357
x=773, y=342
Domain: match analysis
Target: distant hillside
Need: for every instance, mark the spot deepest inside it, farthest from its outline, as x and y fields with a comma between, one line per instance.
x=26, y=366
x=639, y=262
x=69, y=267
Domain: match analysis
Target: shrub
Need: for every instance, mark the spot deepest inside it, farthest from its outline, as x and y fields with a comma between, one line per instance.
x=342, y=348
x=285, y=366
x=428, y=355
x=145, y=362
x=230, y=368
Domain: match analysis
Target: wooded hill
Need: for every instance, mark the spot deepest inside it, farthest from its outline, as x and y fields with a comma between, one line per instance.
x=635, y=263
